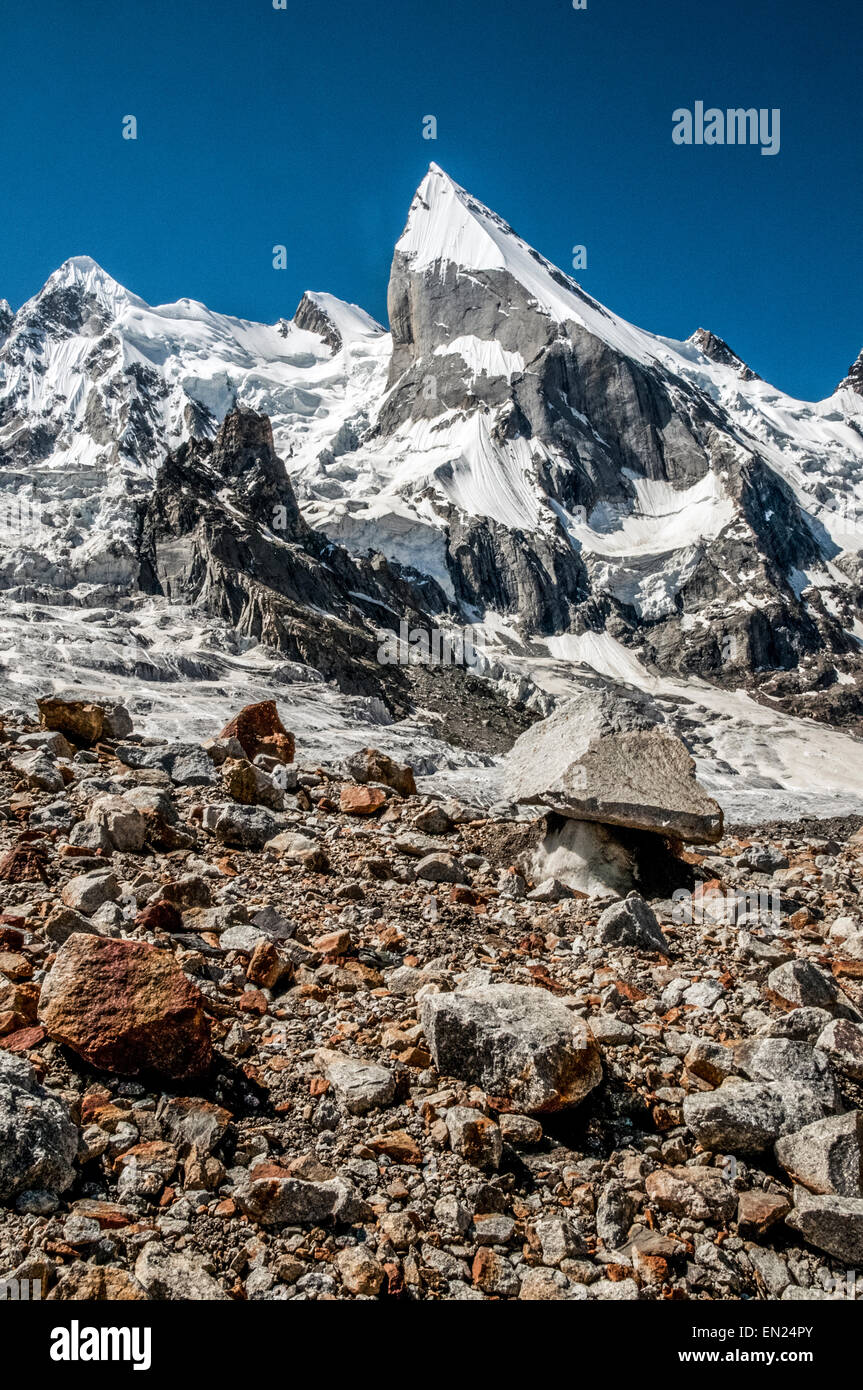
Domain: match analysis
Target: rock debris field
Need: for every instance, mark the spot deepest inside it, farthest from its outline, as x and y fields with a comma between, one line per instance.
x=272, y=1031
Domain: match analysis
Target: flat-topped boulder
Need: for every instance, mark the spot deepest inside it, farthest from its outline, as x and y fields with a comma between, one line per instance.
x=604, y=757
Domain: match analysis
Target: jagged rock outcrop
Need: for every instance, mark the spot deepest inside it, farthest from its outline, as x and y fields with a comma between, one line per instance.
x=718, y=351
x=854, y=379
x=332, y=321
x=259, y=566
x=311, y=315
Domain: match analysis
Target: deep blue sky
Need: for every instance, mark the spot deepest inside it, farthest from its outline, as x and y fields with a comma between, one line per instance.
x=303, y=127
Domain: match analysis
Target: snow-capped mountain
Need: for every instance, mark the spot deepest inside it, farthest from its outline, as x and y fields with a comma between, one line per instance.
x=589, y=476
x=95, y=386
x=576, y=488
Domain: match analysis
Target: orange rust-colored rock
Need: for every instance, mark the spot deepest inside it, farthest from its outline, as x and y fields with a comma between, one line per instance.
x=361, y=801
x=111, y=1216
x=266, y=967
x=398, y=1145
x=334, y=943
x=23, y=1039
x=80, y=719
x=126, y=1007
x=258, y=729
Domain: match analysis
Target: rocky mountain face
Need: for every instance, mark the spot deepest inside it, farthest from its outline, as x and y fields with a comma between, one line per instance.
x=96, y=386
x=258, y=567
x=512, y=455
x=854, y=379
x=611, y=490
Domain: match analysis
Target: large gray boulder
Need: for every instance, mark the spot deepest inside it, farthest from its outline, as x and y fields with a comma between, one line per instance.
x=830, y=1223
x=170, y=1275
x=39, y=771
x=784, y=1059
x=842, y=1042
x=522, y=1045
x=87, y=892
x=242, y=827
x=798, y=984
x=827, y=1156
x=604, y=757
x=38, y=1138
x=121, y=820
x=749, y=1116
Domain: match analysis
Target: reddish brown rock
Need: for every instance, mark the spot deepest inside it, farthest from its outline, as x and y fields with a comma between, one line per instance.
x=758, y=1211
x=161, y=916
x=77, y=718
x=465, y=897
x=15, y=966
x=24, y=863
x=21, y=805
x=252, y=1001
x=125, y=1007
x=334, y=943
x=651, y=1269
x=361, y=801
x=258, y=729
x=23, y=1040
x=20, y=999
x=493, y=1274
x=369, y=765
x=153, y=1156
x=701, y=1193
x=111, y=1216
x=266, y=967
x=398, y=1145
